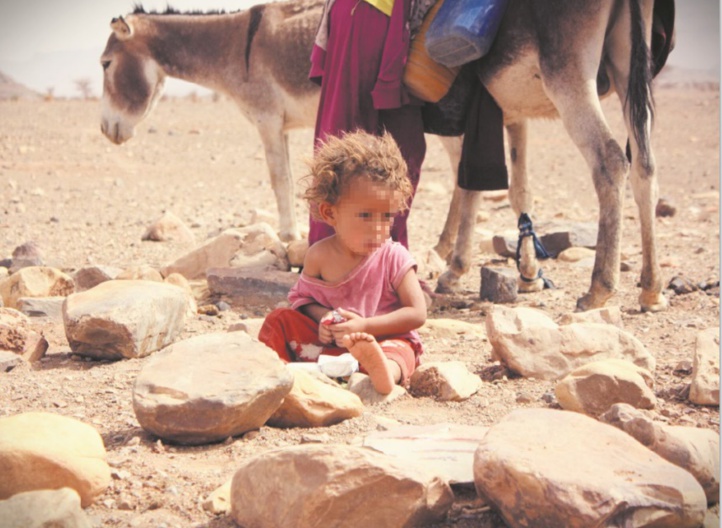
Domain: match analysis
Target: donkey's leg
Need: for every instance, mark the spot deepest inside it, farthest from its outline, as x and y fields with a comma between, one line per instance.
x=276, y=146
x=461, y=259
x=451, y=227
x=582, y=116
x=522, y=201
x=642, y=174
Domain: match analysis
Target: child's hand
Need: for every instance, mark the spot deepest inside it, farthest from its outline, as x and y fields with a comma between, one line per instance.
x=325, y=335
x=353, y=323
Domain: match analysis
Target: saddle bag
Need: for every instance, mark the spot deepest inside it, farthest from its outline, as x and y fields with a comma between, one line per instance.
x=464, y=30
x=424, y=77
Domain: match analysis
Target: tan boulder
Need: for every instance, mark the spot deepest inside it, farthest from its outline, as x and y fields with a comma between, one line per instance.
x=334, y=486
x=445, y=381
x=35, y=281
x=315, y=401
x=40, y=450
x=544, y=467
x=209, y=387
x=142, y=272
x=531, y=344
x=692, y=448
x=124, y=318
x=594, y=387
x=169, y=227
x=16, y=336
x=253, y=246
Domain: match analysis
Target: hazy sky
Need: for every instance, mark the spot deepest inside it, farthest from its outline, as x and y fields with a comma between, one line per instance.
x=53, y=43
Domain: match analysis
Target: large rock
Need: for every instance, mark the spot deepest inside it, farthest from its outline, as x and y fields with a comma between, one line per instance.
x=35, y=281
x=124, y=318
x=44, y=509
x=41, y=450
x=705, y=372
x=691, y=448
x=573, y=471
x=531, y=344
x=315, y=401
x=209, y=387
x=17, y=337
x=255, y=246
x=593, y=388
x=335, y=486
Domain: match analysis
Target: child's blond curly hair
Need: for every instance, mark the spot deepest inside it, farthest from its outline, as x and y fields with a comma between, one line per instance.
x=340, y=160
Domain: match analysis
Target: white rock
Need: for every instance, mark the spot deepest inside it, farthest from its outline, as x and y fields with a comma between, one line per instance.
x=705, y=371
x=59, y=508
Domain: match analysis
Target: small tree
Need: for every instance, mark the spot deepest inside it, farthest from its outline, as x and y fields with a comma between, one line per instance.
x=84, y=87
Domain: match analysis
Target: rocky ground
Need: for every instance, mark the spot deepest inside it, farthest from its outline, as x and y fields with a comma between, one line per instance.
x=85, y=201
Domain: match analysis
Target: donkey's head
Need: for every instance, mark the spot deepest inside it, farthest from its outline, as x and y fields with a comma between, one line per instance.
x=132, y=80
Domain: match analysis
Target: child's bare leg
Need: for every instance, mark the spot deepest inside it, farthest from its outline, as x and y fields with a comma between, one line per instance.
x=383, y=373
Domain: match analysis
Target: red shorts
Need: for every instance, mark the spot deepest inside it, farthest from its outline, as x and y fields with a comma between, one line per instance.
x=294, y=337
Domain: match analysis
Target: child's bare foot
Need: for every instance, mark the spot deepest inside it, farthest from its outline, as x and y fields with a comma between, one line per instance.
x=367, y=351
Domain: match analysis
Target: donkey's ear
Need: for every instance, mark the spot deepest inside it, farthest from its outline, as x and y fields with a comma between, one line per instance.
x=121, y=28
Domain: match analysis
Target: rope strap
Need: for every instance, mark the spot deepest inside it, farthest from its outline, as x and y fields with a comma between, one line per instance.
x=526, y=229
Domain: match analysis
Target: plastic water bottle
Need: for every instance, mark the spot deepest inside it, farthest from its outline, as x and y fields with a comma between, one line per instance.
x=464, y=30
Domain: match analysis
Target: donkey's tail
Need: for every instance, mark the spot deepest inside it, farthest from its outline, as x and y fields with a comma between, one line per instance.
x=639, y=90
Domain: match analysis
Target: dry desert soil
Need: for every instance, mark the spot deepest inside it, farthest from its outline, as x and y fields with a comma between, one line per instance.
x=84, y=201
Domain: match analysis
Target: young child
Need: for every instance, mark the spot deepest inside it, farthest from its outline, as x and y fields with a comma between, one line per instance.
x=358, y=291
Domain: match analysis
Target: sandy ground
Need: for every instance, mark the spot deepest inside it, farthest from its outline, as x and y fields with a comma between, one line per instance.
x=84, y=200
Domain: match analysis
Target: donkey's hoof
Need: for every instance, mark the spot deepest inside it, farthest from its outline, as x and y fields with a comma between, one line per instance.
x=530, y=286
x=589, y=302
x=448, y=283
x=653, y=302
x=289, y=235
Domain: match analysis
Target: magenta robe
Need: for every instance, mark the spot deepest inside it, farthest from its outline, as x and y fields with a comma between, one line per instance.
x=360, y=73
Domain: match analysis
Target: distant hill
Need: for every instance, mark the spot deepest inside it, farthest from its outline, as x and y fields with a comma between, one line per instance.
x=9, y=89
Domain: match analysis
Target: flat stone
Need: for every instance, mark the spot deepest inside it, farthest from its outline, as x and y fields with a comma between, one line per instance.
x=9, y=360
x=444, y=449
x=50, y=307
x=251, y=285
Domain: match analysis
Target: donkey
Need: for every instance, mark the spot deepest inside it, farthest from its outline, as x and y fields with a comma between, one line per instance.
x=258, y=57
x=544, y=63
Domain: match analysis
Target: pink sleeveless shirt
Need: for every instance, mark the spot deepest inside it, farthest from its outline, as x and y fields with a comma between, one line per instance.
x=368, y=290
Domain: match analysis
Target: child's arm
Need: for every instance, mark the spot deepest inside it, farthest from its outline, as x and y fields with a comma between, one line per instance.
x=409, y=317
x=311, y=268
